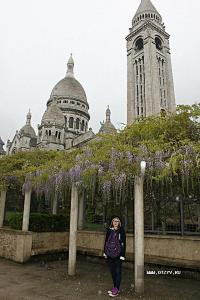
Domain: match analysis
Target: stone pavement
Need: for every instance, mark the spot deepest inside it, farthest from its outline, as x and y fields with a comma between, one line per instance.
x=49, y=280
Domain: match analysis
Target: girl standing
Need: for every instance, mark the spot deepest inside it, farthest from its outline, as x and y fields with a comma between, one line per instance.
x=114, y=252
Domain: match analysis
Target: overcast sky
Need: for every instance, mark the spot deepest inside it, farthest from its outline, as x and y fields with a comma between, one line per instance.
x=37, y=37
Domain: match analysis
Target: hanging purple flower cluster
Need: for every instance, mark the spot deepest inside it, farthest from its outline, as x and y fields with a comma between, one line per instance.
x=75, y=174
x=100, y=170
x=106, y=187
x=131, y=157
x=27, y=184
x=187, y=161
x=119, y=180
x=159, y=162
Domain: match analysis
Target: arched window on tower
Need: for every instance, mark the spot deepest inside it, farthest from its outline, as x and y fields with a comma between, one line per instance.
x=163, y=113
x=71, y=122
x=77, y=123
x=158, y=43
x=82, y=125
x=139, y=44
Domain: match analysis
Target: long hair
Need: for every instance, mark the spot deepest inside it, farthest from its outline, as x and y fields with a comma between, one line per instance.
x=115, y=217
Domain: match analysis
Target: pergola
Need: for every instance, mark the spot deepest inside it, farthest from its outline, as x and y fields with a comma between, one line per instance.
x=167, y=145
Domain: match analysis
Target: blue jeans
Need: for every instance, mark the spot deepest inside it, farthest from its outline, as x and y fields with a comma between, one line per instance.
x=115, y=267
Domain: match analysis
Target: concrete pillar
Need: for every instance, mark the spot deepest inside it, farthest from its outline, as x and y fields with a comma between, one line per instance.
x=139, y=234
x=27, y=206
x=55, y=204
x=2, y=206
x=81, y=211
x=73, y=231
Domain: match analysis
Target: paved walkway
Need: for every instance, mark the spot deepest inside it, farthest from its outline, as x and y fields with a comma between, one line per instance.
x=41, y=281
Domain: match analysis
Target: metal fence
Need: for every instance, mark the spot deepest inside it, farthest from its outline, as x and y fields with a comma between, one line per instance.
x=179, y=216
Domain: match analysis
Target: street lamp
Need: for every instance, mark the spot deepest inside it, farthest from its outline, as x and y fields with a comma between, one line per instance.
x=139, y=229
x=143, y=165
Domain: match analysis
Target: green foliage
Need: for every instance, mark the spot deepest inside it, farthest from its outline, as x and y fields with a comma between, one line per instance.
x=39, y=222
x=169, y=144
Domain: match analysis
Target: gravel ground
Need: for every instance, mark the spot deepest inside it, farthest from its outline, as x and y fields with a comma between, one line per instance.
x=49, y=280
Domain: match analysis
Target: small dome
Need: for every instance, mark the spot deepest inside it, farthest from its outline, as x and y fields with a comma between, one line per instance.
x=53, y=115
x=27, y=129
x=69, y=87
x=107, y=127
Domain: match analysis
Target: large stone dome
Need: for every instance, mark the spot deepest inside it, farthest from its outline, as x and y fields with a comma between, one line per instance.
x=69, y=87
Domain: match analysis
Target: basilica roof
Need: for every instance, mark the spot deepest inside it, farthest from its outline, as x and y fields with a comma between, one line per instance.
x=69, y=87
x=27, y=129
x=53, y=115
x=107, y=127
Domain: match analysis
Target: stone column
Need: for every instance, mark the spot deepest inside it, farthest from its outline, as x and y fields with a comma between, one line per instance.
x=139, y=234
x=55, y=204
x=130, y=87
x=73, y=231
x=2, y=206
x=81, y=211
x=26, y=215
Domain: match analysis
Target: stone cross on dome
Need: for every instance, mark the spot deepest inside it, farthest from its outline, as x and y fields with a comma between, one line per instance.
x=28, y=117
x=70, y=67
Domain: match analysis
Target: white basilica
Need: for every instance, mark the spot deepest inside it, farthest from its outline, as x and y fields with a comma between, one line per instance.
x=64, y=124
x=150, y=91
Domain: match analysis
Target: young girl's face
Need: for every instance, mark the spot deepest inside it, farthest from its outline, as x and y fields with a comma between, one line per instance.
x=116, y=223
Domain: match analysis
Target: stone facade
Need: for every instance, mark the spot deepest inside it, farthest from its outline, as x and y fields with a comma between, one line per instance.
x=150, y=88
x=2, y=151
x=24, y=140
x=150, y=91
x=64, y=123
x=67, y=116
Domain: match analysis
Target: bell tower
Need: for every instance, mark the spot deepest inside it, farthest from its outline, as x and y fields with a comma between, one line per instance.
x=150, y=87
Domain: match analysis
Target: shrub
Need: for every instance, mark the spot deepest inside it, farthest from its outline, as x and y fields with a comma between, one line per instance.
x=40, y=222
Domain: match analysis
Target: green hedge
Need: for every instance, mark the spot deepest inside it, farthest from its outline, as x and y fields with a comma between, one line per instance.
x=40, y=222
